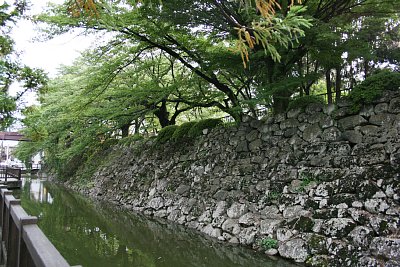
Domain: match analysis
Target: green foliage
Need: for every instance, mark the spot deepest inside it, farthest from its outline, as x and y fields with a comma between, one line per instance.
x=166, y=133
x=186, y=130
x=99, y=157
x=182, y=131
x=208, y=55
x=269, y=243
x=373, y=86
x=306, y=180
x=11, y=70
x=7, y=106
x=181, y=64
x=126, y=141
x=198, y=128
x=304, y=101
x=273, y=196
x=230, y=124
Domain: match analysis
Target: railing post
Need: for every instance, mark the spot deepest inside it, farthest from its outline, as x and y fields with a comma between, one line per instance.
x=23, y=244
x=5, y=176
x=17, y=250
x=7, y=226
x=3, y=251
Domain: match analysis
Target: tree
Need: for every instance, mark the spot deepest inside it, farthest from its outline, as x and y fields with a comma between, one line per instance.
x=173, y=58
x=10, y=70
x=197, y=34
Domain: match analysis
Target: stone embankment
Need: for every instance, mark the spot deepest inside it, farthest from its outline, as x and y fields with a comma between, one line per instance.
x=323, y=182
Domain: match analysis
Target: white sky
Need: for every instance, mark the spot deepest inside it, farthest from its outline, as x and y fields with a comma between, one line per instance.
x=49, y=55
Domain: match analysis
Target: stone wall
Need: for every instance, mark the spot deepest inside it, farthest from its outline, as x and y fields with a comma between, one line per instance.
x=323, y=182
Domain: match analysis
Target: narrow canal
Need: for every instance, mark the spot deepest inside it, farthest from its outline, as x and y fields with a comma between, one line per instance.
x=94, y=234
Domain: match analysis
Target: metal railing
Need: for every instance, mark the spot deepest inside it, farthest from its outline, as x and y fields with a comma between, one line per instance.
x=10, y=172
x=23, y=244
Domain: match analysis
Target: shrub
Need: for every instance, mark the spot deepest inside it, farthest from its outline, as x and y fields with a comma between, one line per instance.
x=303, y=101
x=268, y=243
x=109, y=143
x=198, y=128
x=131, y=139
x=183, y=130
x=166, y=134
x=373, y=86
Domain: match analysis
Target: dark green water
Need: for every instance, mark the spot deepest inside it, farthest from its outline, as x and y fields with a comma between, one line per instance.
x=95, y=234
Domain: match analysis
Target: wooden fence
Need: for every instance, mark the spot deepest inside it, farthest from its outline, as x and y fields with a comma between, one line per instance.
x=23, y=244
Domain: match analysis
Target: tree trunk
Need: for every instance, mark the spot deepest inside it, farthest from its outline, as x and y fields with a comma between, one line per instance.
x=366, y=69
x=162, y=114
x=281, y=101
x=125, y=130
x=136, y=124
x=338, y=83
x=328, y=85
x=284, y=6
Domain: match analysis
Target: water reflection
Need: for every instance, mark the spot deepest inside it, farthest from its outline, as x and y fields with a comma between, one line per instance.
x=37, y=191
x=95, y=234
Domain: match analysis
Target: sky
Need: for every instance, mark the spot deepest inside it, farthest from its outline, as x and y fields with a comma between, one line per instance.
x=48, y=55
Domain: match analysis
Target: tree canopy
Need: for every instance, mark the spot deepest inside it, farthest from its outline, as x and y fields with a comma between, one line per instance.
x=167, y=62
x=10, y=69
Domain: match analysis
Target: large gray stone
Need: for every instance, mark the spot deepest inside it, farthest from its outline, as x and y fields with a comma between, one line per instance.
x=380, y=224
x=247, y=235
x=327, y=122
x=183, y=189
x=312, y=132
x=249, y=219
x=376, y=205
x=324, y=190
x=386, y=247
x=174, y=215
x=316, y=118
x=242, y=146
x=331, y=134
x=367, y=111
x=268, y=128
x=318, y=261
x=382, y=119
x=271, y=212
x=393, y=263
x=268, y=226
x=349, y=123
x=342, y=112
x=283, y=234
x=255, y=145
x=361, y=236
x=338, y=227
x=211, y=231
x=381, y=108
x=295, y=211
x=156, y=203
x=352, y=136
x=253, y=135
x=394, y=106
x=236, y=210
x=220, y=209
x=289, y=123
x=295, y=249
x=205, y=217
x=370, y=130
x=231, y=226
